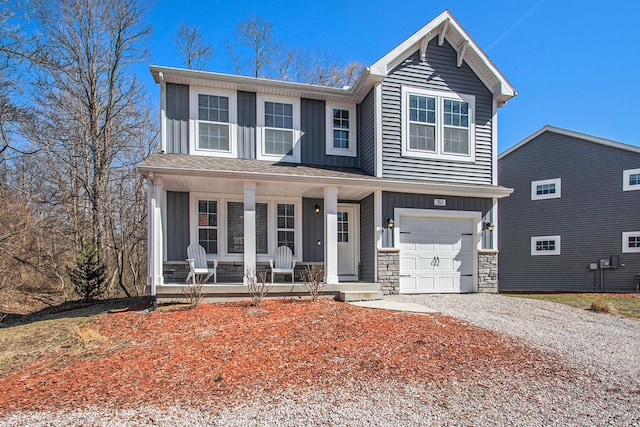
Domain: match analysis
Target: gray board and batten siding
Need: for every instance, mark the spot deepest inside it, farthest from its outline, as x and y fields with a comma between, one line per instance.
x=177, y=225
x=367, y=239
x=177, y=119
x=392, y=200
x=246, y=125
x=366, y=133
x=590, y=216
x=438, y=72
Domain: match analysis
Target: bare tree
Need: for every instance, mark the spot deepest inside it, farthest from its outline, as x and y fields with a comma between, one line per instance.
x=256, y=50
x=91, y=118
x=194, y=51
x=256, y=53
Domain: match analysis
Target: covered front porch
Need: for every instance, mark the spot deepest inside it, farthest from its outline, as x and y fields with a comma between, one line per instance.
x=241, y=218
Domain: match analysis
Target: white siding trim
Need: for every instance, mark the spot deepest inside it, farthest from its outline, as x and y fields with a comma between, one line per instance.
x=352, y=151
x=163, y=116
x=378, y=127
x=625, y=180
x=194, y=91
x=625, y=241
x=556, y=195
x=556, y=239
x=494, y=143
x=260, y=128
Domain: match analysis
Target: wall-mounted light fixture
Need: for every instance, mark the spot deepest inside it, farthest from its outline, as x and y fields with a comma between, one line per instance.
x=390, y=223
x=489, y=226
x=316, y=208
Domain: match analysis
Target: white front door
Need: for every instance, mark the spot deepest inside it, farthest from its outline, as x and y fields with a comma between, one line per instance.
x=347, y=239
x=436, y=255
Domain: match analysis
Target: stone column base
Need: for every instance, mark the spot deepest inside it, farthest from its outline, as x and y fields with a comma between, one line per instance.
x=389, y=270
x=488, y=271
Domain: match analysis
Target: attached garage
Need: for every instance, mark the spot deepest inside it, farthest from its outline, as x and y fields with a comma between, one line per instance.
x=438, y=251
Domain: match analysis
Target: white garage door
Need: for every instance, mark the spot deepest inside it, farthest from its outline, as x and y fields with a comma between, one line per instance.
x=436, y=255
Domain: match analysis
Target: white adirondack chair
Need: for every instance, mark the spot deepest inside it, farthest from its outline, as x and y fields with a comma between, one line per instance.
x=284, y=263
x=198, y=264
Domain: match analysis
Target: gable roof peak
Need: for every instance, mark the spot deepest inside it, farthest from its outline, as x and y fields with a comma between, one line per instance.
x=446, y=26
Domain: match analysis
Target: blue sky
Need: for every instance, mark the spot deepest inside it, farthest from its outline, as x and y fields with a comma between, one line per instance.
x=575, y=63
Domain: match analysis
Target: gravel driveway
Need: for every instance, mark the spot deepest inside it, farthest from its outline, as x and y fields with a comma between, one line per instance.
x=599, y=386
x=603, y=343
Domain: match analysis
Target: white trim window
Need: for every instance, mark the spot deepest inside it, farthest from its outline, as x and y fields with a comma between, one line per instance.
x=286, y=226
x=631, y=180
x=545, y=245
x=279, y=128
x=630, y=241
x=438, y=125
x=341, y=130
x=546, y=189
x=208, y=225
x=214, y=119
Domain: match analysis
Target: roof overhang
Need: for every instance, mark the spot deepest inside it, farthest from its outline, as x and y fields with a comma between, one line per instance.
x=445, y=26
x=354, y=94
x=307, y=184
x=572, y=134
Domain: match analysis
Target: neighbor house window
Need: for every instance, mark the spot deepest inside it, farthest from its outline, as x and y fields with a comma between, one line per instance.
x=213, y=113
x=279, y=122
x=286, y=224
x=546, y=189
x=235, y=228
x=208, y=225
x=341, y=130
x=631, y=180
x=438, y=124
x=631, y=241
x=545, y=245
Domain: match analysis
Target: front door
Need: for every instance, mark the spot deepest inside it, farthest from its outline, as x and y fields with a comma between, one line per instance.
x=347, y=243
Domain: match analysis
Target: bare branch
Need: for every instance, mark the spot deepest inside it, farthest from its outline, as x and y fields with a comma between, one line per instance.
x=191, y=47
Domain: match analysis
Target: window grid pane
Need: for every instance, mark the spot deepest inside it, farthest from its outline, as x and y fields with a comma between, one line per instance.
x=213, y=108
x=634, y=241
x=213, y=136
x=634, y=179
x=422, y=109
x=278, y=115
x=545, y=245
x=456, y=141
x=279, y=142
x=343, y=227
x=546, y=189
x=340, y=128
x=286, y=225
x=422, y=137
x=207, y=225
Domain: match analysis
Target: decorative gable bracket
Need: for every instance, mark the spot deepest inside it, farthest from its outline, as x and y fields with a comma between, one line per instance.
x=443, y=31
x=423, y=46
x=461, y=50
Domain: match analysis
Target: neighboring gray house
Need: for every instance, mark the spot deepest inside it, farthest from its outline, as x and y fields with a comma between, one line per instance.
x=572, y=222
x=398, y=170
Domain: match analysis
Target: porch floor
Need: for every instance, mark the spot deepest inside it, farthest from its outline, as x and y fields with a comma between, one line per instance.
x=236, y=291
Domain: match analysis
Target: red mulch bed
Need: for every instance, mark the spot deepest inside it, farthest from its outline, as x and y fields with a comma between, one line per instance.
x=217, y=354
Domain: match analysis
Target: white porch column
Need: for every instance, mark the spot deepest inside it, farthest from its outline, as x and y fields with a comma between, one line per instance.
x=249, y=229
x=155, y=235
x=331, y=235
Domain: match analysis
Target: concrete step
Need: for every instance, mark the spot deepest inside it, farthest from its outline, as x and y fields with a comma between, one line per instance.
x=348, y=296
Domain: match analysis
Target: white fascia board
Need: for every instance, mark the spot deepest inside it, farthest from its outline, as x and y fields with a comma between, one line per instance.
x=501, y=90
x=386, y=184
x=572, y=134
x=353, y=94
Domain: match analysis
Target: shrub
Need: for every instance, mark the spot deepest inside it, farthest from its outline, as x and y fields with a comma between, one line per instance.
x=192, y=292
x=601, y=306
x=88, y=275
x=258, y=286
x=313, y=280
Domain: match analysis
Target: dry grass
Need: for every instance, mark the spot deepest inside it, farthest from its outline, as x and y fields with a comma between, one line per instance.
x=601, y=306
x=627, y=305
x=88, y=336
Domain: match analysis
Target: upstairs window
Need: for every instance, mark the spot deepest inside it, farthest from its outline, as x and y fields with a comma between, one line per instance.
x=631, y=180
x=546, y=189
x=545, y=245
x=213, y=122
x=341, y=130
x=438, y=125
x=279, y=120
x=213, y=116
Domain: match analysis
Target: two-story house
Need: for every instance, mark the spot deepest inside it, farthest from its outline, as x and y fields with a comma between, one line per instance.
x=572, y=221
x=391, y=182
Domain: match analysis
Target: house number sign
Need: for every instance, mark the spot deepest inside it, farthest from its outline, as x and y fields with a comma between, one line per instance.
x=439, y=202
